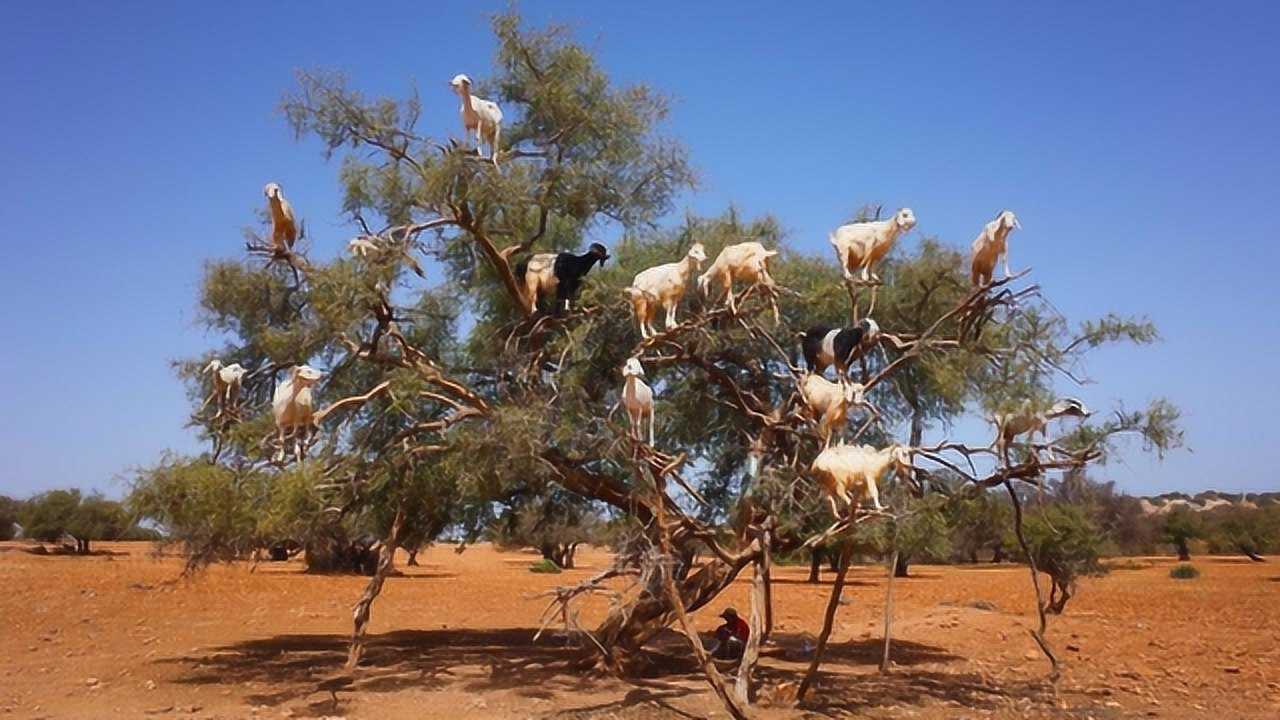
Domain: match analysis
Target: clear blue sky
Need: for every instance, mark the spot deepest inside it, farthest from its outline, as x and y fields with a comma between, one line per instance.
x=1137, y=141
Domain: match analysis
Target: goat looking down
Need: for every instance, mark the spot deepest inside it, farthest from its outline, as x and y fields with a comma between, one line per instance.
x=284, y=228
x=991, y=245
x=862, y=245
x=824, y=346
x=226, y=384
x=1028, y=422
x=559, y=273
x=483, y=117
x=663, y=287
x=829, y=402
x=637, y=398
x=850, y=473
x=293, y=409
x=747, y=261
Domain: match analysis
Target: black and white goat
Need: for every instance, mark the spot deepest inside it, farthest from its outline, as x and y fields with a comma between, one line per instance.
x=824, y=346
x=560, y=273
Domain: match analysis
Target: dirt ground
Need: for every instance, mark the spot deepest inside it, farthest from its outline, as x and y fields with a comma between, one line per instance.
x=110, y=636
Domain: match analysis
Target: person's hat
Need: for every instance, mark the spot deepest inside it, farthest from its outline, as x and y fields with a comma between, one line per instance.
x=729, y=613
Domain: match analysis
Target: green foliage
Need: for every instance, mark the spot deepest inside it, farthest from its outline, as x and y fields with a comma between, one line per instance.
x=1184, y=572
x=1066, y=545
x=1235, y=529
x=978, y=520
x=10, y=510
x=1180, y=526
x=50, y=516
x=545, y=566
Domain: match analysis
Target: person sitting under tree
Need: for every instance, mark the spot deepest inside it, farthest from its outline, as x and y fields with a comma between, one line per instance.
x=731, y=637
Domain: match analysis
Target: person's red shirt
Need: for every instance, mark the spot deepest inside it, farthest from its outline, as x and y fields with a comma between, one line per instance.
x=738, y=628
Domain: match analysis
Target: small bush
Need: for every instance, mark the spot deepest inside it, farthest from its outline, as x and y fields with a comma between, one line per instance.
x=1184, y=572
x=544, y=566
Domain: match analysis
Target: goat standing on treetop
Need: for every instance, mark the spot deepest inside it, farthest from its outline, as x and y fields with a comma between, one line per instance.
x=663, y=286
x=1028, y=422
x=560, y=273
x=862, y=245
x=284, y=228
x=991, y=245
x=747, y=261
x=829, y=402
x=478, y=115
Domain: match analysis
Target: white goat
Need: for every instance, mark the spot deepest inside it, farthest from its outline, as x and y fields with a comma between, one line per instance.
x=478, y=115
x=829, y=402
x=991, y=245
x=850, y=472
x=284, y=228
x=663, y=287
x=1029, y=422
x=637, y=398
x=747, y=261
x=226, y=384
x=293, y=409
x=363, y=245
x=863, y=245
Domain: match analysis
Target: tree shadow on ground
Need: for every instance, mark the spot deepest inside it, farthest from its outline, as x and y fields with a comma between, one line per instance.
x=823, y=582
x=306, y=672
x=300, y=666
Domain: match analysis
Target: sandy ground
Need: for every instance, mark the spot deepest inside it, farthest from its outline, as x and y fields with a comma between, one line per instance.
x=108, y=637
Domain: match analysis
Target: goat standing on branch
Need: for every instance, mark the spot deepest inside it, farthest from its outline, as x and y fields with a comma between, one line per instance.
x=637, y=398
x=559, y=273
x=293, y=409
x=829, y=403
x=284, y=227
x=991, y=245
x=1028, y=422
x=483, y=117
x=824, y=346
x=226, y=385
x=747, y=262
x=663, y=287
x=850, y=473
x=862, y=245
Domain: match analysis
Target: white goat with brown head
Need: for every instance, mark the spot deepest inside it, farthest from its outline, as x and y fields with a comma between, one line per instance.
x=747, y=261
x=862, y=245
x=663, y=287
x=637, y=398
x=850, y=473
x=991, y=245
x=829, y=402
x=294, y=410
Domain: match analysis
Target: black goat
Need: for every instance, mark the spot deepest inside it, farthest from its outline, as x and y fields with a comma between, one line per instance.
x=824, y=346
x=562, y=272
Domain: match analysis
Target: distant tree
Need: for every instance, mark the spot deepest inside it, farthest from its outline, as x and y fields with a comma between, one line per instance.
x=555, y=523
x=1067, y=546
x=1181, y=526
x=977, y=520
x=10, y=510
x=56, y=514
x=1253, y=532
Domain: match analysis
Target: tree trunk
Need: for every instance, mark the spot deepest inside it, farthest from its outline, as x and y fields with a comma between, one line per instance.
x=833, y=603
x=360, y=613
x=888, y=613
x=973, y=556
x=82, y=546
x=413, y=558
x=1251, y=554
x=1184, y=552
x=626, y=628
x=900, y=565
x=815, y=564
x=997, y=553
x=759, y=626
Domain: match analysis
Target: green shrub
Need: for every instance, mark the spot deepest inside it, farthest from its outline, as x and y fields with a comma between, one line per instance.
x=544, y=566
x=1184, y=572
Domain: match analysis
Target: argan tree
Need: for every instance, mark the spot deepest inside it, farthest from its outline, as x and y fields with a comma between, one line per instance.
x=455, y=392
